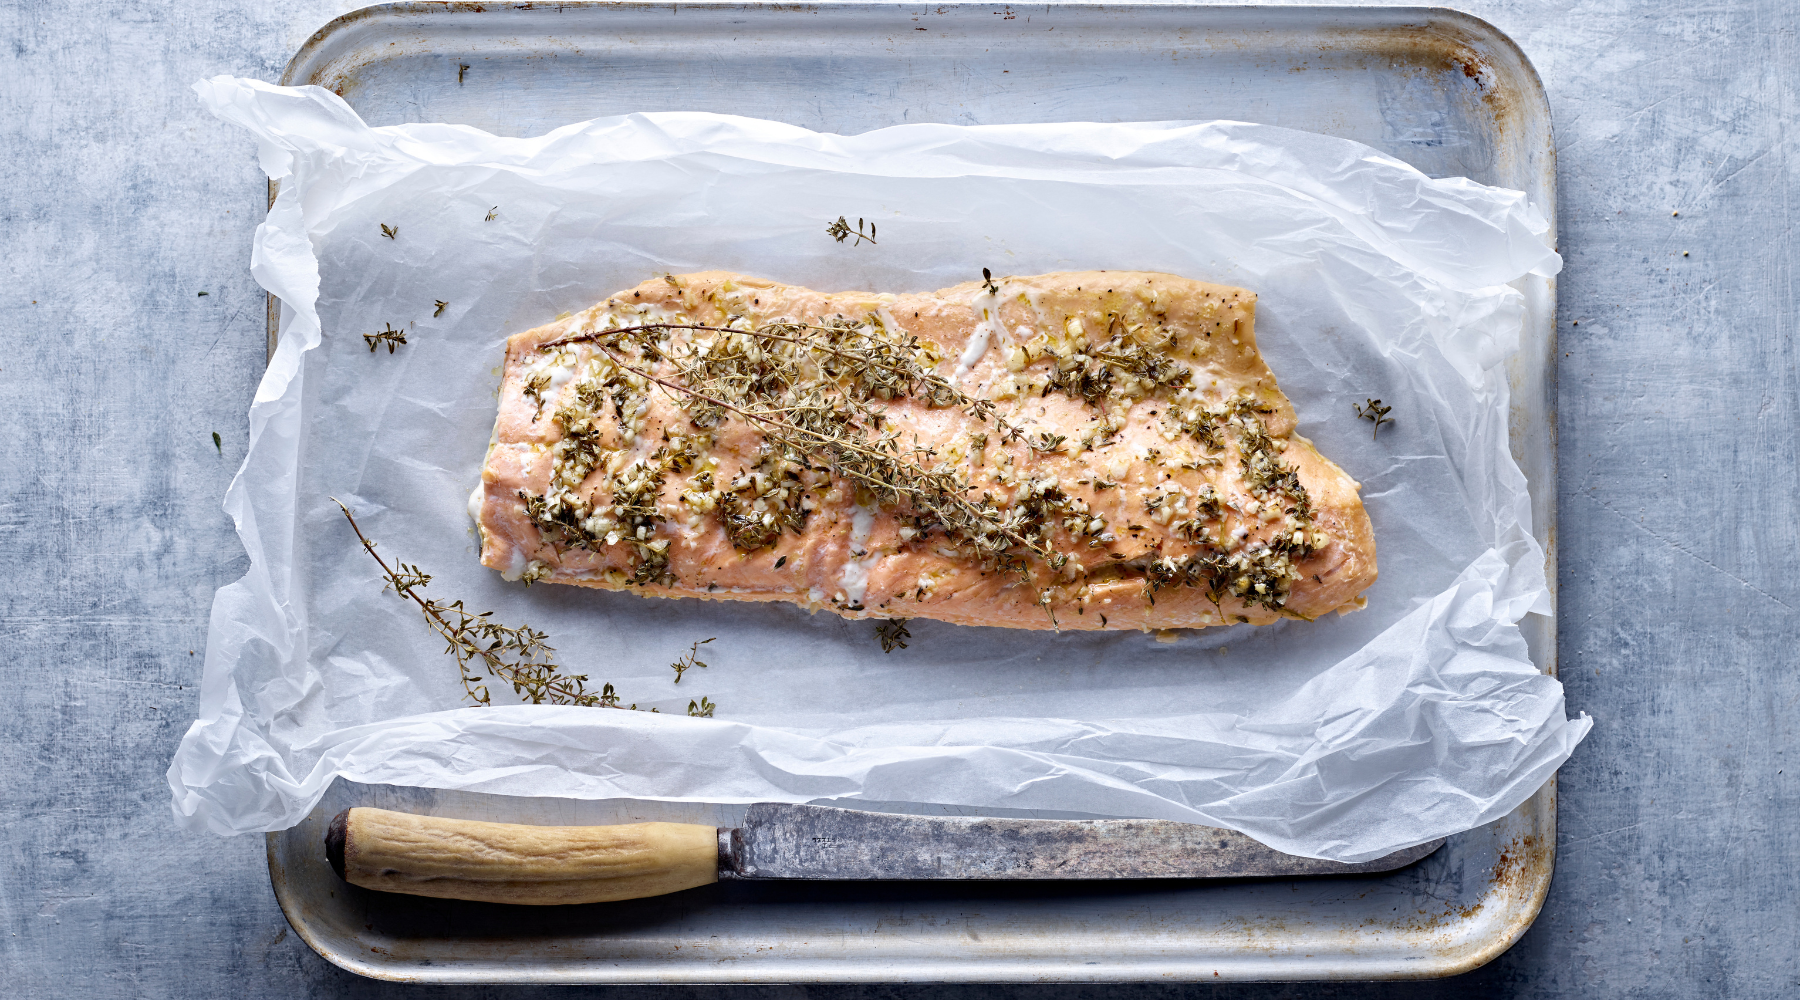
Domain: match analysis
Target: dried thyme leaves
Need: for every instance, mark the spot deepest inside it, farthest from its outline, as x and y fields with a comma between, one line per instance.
x=690, y=659
x=1375, y=413
x=841, y=231
x=1095, y=375
x=482, y=647
x=534, y=391
x=565, y=515
x=391, y=337
x=815, y=393
x=518, y=656
x=892, y=634
x=1260, y=572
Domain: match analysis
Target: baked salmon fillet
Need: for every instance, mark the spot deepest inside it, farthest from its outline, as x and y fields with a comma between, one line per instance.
x=1082, y=450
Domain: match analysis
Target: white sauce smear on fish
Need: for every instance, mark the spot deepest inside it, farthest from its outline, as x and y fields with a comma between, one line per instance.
x=987, y=307
x=855, y=577
x=476, y=499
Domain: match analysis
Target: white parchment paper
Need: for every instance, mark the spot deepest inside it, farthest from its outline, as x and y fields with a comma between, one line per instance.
x=1344, y=738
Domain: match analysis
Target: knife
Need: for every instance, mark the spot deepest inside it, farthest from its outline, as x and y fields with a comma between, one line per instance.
x=550, y=865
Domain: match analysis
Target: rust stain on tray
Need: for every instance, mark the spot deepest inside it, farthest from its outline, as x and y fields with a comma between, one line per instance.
x=1430, y=46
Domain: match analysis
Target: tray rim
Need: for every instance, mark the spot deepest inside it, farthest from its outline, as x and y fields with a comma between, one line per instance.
x=1534, y=878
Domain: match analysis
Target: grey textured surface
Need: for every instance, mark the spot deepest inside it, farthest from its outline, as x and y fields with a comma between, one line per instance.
x=1678, y=496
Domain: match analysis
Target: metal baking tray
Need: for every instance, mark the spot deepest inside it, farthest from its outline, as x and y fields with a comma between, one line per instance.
x=1442, y=90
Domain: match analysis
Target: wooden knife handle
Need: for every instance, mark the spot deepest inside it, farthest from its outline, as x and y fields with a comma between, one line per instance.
x=512, y=863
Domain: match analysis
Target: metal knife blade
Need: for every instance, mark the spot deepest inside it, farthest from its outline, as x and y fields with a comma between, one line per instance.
x=781, y=841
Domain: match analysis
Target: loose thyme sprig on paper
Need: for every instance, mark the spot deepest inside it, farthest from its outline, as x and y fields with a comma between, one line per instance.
x=517, y=656
x=690, y=660
x=1374, y=412
x=841, y=231
x=893, y=634
x=390, y=336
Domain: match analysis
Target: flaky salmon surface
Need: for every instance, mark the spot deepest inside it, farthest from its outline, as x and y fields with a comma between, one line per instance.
x=1081, y=450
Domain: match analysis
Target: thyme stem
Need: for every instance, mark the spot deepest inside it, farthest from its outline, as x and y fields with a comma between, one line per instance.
x=977, y=407
x=1374, y=413
x=761, y=331
x=949, y=490
x=536, y=680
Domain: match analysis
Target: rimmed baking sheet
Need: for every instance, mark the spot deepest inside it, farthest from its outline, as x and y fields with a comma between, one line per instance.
x=1438, y=89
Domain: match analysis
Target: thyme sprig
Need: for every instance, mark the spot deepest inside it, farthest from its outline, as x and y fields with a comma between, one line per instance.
x=912, y=375
x=841, y=231
x=518, y=656
x=1375, y=412
x=815, y=393
x=690, y=659
x=815, y=425
x=813, y=390
x=893, y=634
x=867, y=366
x=391, y=337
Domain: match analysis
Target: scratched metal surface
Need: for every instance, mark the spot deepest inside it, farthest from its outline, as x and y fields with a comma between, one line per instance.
x=779, y=840
x=1677, y=409
x=1437, y=88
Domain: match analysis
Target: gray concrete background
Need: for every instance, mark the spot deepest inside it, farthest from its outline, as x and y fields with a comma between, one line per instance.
x=121, y=201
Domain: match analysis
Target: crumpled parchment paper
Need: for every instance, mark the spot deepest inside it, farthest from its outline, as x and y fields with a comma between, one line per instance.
x=1344, y=738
